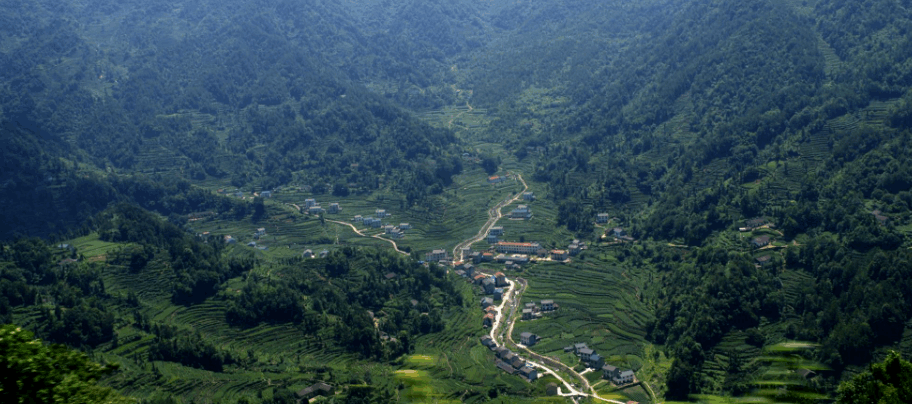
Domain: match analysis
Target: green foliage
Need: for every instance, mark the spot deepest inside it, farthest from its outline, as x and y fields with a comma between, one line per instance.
x=37, y=373
x=884, y=383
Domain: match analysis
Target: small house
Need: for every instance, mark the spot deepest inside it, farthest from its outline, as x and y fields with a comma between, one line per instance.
x=486, y=301
x=358, y=219
x=405, y=226
x=501, y=279
x=498, y=293
x=529, y=373
x=334, y=208
x=310, y=202
x=527, y=314
x=501, y=351
x=488, y=320
x=602, y=218
x=491, y=239
x=547, y=305
x=761, y=241
x=266, y=194
x=579, y=346
x=488, y=341
x=381, y=213
x=585, y=354
x=596, y=361
x=521, y=212
x=528, y=338
x=497, y=231
x=506, y=367
x=517, y=362
x=488, y=285
x=261, y=231
x=618, y=232
x=528, y=196
x=307, y=254
x=230, y=240
x=315, y=210
x=318, y=389
x=560, y=255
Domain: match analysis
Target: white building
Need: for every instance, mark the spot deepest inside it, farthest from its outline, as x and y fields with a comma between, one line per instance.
x=516, y=248
x=436, y=255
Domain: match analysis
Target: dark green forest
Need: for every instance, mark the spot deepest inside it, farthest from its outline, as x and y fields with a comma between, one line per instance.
x=684, y=120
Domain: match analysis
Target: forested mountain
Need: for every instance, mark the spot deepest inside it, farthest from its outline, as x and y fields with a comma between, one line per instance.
x=683, y=119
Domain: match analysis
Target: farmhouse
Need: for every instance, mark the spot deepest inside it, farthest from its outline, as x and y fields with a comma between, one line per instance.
x=516, y=248
x=310, y=202
x=577, y=347
x=488, y=320
x=585, y=354
x=560, y=255
x=529, y=373
x=389, y=228
x=527, y=314
x=498, y=294
x=318, y=389
x=506, y=367
x=500, y=279
x=528, y=196
x=405, y=226
x=479, y=278
x=230, y=240
x=436, y=255
x=358, y=219
x=497, y=231
x=488, y=341
x=488, y=285
x=334, y=208
x=617, y=375
x=761, y=241
x=486, y=301
x=521, y=212
x=755, y=223
x=501, y=351
x=261, y=231
x=266, y=194
x=307, y=253
x=496, y=179
x=381, y=213
x=596, y=361
x=517, y=362
x=315, y=210
x=618, y=232
x=491, y=238
x=602, y=218
x=528, y=338
x=547, y=305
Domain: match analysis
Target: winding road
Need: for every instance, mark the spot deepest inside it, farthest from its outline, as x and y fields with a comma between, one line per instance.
x=493, y=216
x=506, y=311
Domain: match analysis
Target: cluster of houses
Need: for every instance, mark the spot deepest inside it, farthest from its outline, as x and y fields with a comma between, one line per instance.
x=508, y=361
x=594, y=360
x=396, y=232
x=532, y=311
x=313, y=208
x=376, y=222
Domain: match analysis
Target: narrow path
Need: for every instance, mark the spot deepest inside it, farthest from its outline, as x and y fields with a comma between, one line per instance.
x=376, y=236
x=494, y=215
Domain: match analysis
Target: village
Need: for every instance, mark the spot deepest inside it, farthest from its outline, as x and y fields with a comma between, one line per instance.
x=499, y=297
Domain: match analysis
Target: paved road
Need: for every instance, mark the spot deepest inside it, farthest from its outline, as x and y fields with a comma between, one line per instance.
x=493, y=216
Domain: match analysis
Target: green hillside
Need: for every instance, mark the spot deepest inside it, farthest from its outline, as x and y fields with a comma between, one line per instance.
x=755, y=155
